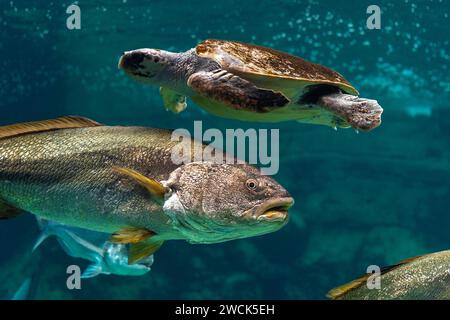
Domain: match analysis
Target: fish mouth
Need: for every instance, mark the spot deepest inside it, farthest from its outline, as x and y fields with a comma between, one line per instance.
x=273, y=210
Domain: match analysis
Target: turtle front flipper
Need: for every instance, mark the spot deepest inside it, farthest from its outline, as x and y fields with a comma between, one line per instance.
x=235, y=92
x=360, y=113
x=173, y=101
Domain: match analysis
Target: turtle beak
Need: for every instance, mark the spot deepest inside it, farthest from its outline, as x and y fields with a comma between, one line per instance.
x=131, y=60
x=120, y=64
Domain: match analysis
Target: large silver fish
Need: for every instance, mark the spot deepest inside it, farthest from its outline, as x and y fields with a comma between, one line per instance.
x=421, y=278
x=93, y=246
x=121, y=180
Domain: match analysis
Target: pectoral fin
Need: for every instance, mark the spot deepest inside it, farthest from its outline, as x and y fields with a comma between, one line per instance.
x=155, y=188
x=143, y=249
x=173, y=101
x=131, y=235
x=8, y=211
x=141, y=240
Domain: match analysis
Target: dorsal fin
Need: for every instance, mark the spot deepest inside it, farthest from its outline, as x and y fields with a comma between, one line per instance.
x=67, y=122
x=340, y=291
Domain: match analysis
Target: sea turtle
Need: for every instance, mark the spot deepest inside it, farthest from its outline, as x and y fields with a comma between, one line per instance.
x=252, y=83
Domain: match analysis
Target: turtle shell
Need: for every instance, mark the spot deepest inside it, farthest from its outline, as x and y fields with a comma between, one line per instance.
x=261, y=61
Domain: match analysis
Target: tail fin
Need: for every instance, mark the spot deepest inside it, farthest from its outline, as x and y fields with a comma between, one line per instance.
x=22, y=292
x=45, y=233
x=92, y=270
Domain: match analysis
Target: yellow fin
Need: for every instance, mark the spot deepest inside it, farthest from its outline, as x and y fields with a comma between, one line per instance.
x=7, y=211
x=131, y=235
x=68, y=122
x=143, y=249
x=153, y=186
x=340, y=291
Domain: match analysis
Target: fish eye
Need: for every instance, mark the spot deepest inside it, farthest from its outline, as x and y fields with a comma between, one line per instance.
x=251, y=184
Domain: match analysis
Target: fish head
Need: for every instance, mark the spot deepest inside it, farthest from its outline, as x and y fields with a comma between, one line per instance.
x=212, y=203
x=145, y=65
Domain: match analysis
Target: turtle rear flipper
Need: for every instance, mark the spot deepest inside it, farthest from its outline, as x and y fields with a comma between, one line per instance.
x=360, y=113
x=235, y=91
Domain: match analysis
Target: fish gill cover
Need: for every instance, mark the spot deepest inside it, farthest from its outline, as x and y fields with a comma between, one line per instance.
x=362, y=199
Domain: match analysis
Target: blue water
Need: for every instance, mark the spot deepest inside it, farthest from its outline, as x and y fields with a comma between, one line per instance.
x=361, y=199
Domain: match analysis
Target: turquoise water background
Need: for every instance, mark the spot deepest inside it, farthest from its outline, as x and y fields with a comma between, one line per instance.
x=361, y=199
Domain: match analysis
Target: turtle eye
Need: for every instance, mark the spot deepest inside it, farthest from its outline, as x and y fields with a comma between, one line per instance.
x=251, y=184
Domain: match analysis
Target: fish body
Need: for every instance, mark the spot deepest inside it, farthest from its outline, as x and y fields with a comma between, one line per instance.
x=422, y=278
x=106, y=257
x=122, y=180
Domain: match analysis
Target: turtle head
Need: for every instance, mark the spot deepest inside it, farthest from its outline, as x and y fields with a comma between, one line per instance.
x=146, y=65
